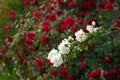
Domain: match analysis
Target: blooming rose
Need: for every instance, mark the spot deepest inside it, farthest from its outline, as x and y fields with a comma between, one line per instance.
x=80, y=36
x=45, y=39
x=55, y=57
x=64, y=47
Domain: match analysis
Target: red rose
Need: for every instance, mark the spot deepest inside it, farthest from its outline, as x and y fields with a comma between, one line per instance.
x=42, y=8
x=22, y=54
x=53, y=72
x=26, y=3
x=52, y=17
x=70, y=77
x=48, y=61
x=45, y=39
x=38, y=63
x=74, y=29
x=63, y=27
x=109, y=7
x=63, y=70
x=82, y=59
x=6, y=46
x=30, y=47
x=49, y=8
x=9, y=38
x=101, y=5
x=59, y=12
x=45, y=28
x=31, y=35
x=60, y=2
x=81, y=14
x=5, y=57
x=7, y=27
x=70, y=21
x=24, y=62
x=85, y=29
x=36, y=15
x=1, y=51
x=72, y=4
x=90, y=20
x=28, y=41
x=11, y=14
x=107, y=59
x=85, y=5
x=95, y=73
x=33, y=1
x=116, y=23
x=83, y=65
x=80, y=22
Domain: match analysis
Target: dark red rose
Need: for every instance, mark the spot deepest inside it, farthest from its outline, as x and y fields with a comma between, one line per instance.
x=85, y=5
x=107, y=59
x=82, y=14
x=82, y=59
x=95, y=73
x=49, y=8
x=63, y=27
x=90, y=20
x=48, y=61
x=42, y=8
x=6, y=46
x=45, y=39
x=5, y=57
x=26, y=3
x=63, y=70
x=83, y=65
x=60, y=2
x=22, y=54
x=101, y=5
x=85, y=29
x=116, y=23
x=36, y=15
x=11, y=14
x=30, y=47
x=31, y=35
x=52, y=17
x=24, y=61
x=33, y=1
x=59, y=12
x=45, y=28
x=72, y=4
x=38, y=63
x=1, y=51
x=109, y=7
x=74, y=29
x=9, y=39
x=7, y=27
x=70, y=77
x=28, y=41
x=53, y=72
x=80, y=22
x=70, y=21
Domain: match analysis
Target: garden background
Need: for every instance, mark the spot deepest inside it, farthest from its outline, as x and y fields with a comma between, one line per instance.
x=59, y=40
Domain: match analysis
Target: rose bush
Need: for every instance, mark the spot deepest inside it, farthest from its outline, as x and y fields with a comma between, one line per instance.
x=63, y=40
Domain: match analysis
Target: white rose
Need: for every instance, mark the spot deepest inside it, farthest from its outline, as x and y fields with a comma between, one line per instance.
x=55, y=57
x=80, y=36
x=64, y=47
